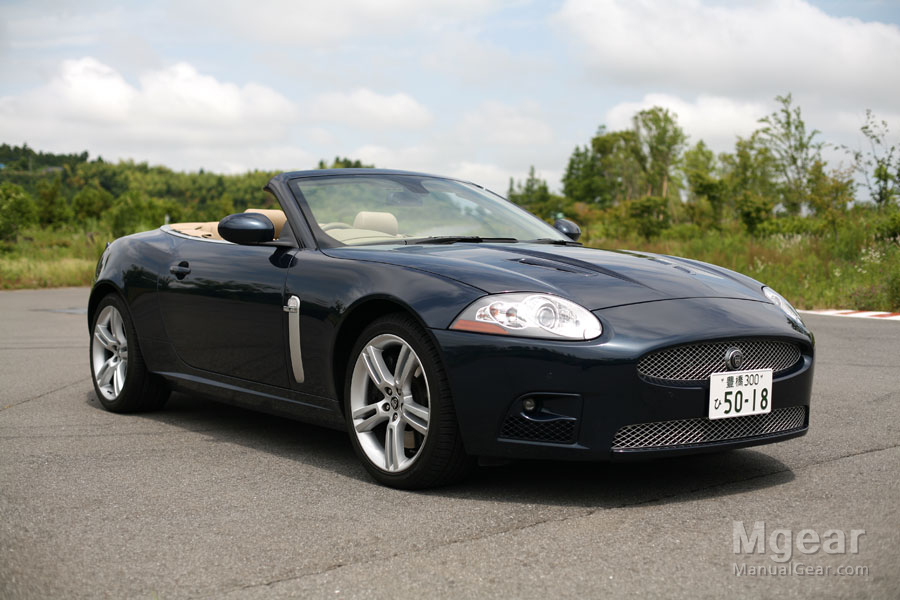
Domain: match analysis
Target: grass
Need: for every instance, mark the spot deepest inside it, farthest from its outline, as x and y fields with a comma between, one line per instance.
x=812, y=272
x=20, y=273
x=856, y=268
x=51, y=258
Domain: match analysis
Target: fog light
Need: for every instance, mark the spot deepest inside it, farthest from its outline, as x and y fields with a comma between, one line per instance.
x=529, y=404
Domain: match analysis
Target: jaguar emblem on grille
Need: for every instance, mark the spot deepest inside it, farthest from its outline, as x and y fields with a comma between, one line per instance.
x=734, y=359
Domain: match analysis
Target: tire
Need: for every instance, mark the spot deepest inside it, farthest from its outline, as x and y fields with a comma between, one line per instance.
x=406, y=435
x=121, y=380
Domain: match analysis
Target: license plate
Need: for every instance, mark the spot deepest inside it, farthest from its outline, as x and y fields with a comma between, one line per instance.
x=740, y=393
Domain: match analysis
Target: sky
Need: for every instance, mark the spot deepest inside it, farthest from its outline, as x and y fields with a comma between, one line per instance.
x=475, y=89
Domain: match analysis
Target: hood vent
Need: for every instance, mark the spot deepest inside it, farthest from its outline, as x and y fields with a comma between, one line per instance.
x=556, y=266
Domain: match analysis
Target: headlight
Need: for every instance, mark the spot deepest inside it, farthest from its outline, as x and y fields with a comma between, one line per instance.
x=781, y=303
x=529, y=315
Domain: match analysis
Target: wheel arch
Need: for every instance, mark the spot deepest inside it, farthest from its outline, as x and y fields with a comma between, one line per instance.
x=100, y=290
x=357, y=318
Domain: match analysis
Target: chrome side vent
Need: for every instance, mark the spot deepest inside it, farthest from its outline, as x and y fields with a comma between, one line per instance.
x=293, y=309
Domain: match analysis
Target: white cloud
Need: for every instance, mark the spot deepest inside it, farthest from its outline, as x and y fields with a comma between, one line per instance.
x=715, y=120
x=436, y=160
x=320, y=23
x=419, y=157
x=369, y=110
x=175, y=115
x=490, y=176
x=283, y=157
x=496, y=178
x=181, y=96
x=499, y=123
x=719, y=121
x=478, y=62
x=753, y=49
x=59, y=26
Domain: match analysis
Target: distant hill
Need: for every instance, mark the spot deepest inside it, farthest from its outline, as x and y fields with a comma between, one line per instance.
x=23, y=158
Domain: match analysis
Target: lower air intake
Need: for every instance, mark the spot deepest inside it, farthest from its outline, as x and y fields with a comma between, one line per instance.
x=690, y=432
x=555, y=431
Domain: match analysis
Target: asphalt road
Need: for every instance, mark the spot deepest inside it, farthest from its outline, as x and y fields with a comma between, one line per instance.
x=206, y=500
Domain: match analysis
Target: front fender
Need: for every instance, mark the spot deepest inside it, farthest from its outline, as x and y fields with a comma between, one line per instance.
x=130, y=267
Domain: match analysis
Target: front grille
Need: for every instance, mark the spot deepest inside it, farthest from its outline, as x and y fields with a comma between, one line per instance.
x=689, y=432
x=696, y=362
x=557, y=431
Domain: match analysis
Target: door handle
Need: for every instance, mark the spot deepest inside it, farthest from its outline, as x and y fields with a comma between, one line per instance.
x=180, y=270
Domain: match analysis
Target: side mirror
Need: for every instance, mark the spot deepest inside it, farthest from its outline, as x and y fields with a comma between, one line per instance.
x=247, y=228
x=568, y=228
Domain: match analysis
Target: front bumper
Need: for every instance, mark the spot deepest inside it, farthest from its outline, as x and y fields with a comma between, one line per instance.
x=588, y=391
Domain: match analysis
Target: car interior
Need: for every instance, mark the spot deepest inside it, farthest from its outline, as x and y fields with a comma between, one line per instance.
x=368, y=226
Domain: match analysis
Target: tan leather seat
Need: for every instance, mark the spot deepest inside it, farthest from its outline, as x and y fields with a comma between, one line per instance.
x=210, y=230
x=376, y=221
x=277, y=217
x=207, y=231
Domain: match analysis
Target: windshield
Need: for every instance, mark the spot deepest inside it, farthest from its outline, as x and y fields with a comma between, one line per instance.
x=402, y=209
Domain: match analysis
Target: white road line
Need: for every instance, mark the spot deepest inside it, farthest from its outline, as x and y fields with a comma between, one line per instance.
x=856, y=314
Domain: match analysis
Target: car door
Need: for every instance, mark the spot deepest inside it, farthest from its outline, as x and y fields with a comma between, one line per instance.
x=222, y=306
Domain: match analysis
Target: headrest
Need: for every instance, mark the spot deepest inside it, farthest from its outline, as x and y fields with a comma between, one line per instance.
x=376, y=221
x=277, y=217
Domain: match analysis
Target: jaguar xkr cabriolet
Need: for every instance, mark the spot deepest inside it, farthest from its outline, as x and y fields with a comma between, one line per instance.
x=437, y=323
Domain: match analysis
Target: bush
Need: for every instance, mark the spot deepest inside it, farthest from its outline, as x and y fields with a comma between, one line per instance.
x=754, y=210
x=649, y=216
x=888, y=228
x=53, y=209
x=893, y=292
x=133, y=212
x=91, y=202
x=790, y=225
x=685, y=232
x=17, y=210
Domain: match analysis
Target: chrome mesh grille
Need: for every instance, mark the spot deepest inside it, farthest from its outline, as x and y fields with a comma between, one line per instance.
x=689, y=432
x=696, y=362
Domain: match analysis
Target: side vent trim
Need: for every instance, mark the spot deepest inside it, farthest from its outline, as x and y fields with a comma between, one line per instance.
x=293, y=310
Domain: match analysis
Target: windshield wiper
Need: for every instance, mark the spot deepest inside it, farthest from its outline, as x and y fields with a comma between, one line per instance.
x=453, y=239
x=555, y=242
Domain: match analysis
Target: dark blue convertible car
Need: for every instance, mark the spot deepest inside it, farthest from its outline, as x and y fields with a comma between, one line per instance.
x=437, y=323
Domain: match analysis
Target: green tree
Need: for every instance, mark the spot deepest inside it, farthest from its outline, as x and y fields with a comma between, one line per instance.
x=793, y=150
x=754, y=210
x=534, y=196
x=606, y=173
x=17, y=210
x=344, y=163
x=829, y=195
x=216, y=210
x=880, y=165
x=53, y=209
x=134, y=211
x=582, y=181
x=26, y=159
x=91, y=202
x=657, y=146
x=707, y=192
x=649, y=215
x=748, y=173
x=112, y=178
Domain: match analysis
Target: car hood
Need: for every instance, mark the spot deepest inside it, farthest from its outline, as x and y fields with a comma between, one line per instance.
x=594, y=278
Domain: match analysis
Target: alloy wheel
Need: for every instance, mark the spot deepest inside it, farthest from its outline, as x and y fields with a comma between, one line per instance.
x=390, y=403
x=109, y=352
